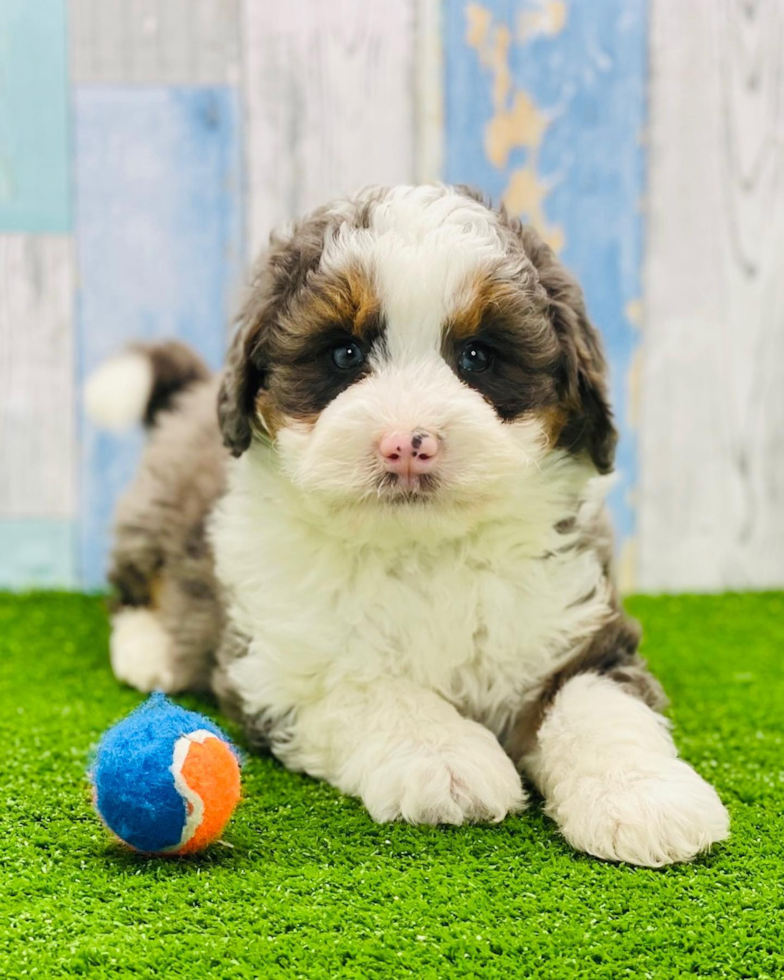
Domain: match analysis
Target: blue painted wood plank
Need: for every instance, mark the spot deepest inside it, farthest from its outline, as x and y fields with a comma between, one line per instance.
x=34, y=144
x=159, y=242
x=545, y=108
x=37, y=553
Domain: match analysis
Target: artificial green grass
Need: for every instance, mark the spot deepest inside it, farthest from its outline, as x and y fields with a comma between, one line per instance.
x=312, y=888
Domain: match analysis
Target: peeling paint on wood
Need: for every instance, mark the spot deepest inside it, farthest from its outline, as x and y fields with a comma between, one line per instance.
x=160, y=250
x=545, y=108
x=539, y=102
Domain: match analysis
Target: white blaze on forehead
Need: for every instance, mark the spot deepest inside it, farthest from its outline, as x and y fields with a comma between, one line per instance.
x=423, y=251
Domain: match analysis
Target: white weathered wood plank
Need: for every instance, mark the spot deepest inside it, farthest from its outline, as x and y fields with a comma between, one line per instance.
x=176, y=42
x=712, y=412
x=429, y=101
x=37, y=446
x=329, y=102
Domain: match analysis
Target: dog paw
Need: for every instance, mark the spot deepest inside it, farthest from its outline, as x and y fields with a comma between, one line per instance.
x=466, y=778
x=652, y=813
x=140, y=650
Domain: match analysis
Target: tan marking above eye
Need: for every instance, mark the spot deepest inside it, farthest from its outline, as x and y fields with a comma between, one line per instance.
x=486, y=295
x=346, y=298
x=466, y=321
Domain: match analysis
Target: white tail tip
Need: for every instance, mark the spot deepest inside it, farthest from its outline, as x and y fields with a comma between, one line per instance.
x=117, y=393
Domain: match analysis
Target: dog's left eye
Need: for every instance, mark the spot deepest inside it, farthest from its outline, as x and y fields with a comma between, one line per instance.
x=348, y=356
x=475, y=357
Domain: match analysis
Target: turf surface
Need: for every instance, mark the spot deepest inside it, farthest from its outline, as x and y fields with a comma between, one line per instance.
x=312, y=888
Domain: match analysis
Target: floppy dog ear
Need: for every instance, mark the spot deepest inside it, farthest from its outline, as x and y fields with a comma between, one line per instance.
x=244, y=374
x=589, y=423
x=243, y=378
x=293, y=254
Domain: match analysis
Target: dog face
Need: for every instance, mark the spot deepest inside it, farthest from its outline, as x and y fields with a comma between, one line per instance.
x=412, y=346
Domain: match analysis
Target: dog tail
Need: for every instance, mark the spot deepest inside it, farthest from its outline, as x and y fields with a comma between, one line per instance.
x=142, y=381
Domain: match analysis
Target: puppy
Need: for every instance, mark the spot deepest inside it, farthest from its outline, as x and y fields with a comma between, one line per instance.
x=386, y=552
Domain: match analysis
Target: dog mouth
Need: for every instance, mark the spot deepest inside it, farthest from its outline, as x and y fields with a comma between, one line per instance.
x=396, y=489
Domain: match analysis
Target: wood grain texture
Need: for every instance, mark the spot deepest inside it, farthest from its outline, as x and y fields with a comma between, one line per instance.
x=155, y=41
x=545, y=111
x=329, y=103
x=712, y=413
x=429, y=101
x=159, y=237
x=34, y=146
x=37, y=364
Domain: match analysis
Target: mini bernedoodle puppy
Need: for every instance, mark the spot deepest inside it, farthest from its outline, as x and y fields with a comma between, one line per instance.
x=379, y=536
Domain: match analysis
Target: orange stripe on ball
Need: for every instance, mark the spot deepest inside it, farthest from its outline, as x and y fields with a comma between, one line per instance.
x=210, y=771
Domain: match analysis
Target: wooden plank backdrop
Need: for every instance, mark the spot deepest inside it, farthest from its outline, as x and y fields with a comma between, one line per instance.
x=545, y=110
x=712, y=387
x=428, y=92
x=159, y=241
x=37, y=443
x=541, y=103
x=329, y=97
x=34, y=150
x=37, y=410
x=178, y=42
x=37, y=415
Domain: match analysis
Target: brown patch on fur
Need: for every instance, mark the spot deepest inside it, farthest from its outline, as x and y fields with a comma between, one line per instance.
x=511, y=322
x=589, y=426
x=270, y=419
x=156, y=591
x=546, y=352
x=162, y=557
x=280, y=362
x=175, y=367
x=611, y=652
x=553, y=419
x=302, y=378
x=582, y=371
x=347, y=299
x=467, y=321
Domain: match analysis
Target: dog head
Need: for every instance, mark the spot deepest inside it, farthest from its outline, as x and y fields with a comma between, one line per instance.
x=412, y=346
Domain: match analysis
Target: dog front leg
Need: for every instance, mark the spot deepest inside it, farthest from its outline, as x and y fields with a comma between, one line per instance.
x=407, y=754
x=608, y=769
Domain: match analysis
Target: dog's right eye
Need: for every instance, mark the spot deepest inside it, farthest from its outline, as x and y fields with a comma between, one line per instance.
x=475, y=357
x=348, y=356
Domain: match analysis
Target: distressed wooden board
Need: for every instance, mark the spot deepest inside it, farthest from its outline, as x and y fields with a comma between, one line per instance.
x=155, y=41
x=712, y=490
x=329, y=103
x=34, y=153
x=160, y=250
x=37, y=363
x=37, y=553
x=429, y=101
x=545, y=108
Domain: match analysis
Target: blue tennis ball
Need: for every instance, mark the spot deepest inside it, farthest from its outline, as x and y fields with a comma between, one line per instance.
x=165, y=780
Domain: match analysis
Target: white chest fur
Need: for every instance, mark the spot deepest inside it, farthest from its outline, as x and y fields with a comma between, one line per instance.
x=480, y=618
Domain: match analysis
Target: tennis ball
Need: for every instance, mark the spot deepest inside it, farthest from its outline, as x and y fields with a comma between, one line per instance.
x=165, y=780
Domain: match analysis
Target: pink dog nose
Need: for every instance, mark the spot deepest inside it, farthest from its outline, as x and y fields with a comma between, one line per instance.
x=408, y=454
